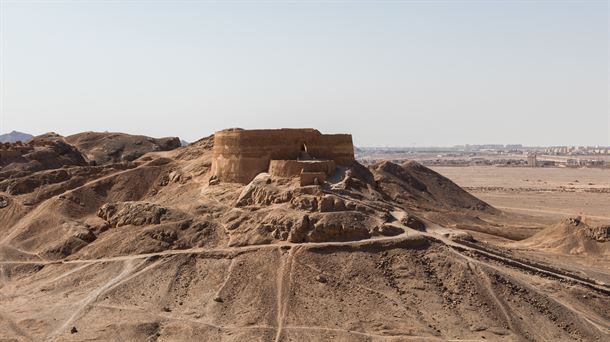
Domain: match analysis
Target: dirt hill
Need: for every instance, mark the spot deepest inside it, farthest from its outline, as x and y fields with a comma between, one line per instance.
x=571, y=236
x=140, y=245
x=103, y=148
x=44, y=152
x=414, y=184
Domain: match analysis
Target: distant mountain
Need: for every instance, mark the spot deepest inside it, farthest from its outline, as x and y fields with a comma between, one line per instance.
x=15, y=136
x=184, y=142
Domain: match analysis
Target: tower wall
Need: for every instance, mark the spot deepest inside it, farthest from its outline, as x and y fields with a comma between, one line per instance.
x=239, y=155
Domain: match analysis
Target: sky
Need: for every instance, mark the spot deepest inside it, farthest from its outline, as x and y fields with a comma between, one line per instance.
x=391, y=73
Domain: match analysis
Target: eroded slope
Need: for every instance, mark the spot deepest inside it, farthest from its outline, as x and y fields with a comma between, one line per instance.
x=147, y=249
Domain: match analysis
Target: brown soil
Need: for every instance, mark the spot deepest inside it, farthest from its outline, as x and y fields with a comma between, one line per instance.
x=570, y=236
x=146, y=249
x=550, y=194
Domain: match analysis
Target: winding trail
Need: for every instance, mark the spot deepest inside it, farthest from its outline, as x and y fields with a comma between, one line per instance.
x=484, y=257
x=410, y=234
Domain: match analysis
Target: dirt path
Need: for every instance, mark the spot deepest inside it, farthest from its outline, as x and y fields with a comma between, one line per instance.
x=595, y=321
x=478, y=256
x=504, y=264
x=218, y=295
x=228, y=251
x=490, y=291
x=283, y=283
x=409, y=234
x=83, y=305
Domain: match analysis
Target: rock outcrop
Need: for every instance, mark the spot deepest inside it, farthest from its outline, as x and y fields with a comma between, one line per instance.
x=103, y=147
x=132, y=213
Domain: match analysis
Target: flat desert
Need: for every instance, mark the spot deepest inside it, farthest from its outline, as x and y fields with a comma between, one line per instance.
x=545, y=192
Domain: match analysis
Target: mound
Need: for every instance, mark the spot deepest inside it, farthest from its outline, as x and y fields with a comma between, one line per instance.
x=570, y=236
x=150, y=249
x=148, y=194
x=103, y=147
x=44, y=152
x=415, y=184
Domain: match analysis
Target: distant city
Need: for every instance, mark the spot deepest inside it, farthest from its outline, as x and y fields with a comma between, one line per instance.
x=492, y=154
x=499, y=148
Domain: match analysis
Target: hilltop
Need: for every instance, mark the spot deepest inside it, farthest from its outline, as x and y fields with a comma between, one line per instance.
x=134, y=238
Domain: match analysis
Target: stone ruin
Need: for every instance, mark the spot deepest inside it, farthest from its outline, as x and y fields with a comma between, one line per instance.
x=239, y=155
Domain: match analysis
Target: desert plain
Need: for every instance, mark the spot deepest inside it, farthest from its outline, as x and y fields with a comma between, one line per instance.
x=548, y=192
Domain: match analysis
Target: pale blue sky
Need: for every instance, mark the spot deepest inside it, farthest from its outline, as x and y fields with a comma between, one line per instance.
x=392, y=73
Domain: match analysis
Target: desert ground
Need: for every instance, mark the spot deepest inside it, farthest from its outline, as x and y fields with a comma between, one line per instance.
x=545, y=192
x=112, y=237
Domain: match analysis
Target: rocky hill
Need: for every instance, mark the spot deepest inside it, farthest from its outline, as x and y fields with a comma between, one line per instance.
x=102, y=148
x=125, y=238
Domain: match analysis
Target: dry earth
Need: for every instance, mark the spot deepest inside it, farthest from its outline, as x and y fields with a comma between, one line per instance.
x=545, y=192
x=145, y=249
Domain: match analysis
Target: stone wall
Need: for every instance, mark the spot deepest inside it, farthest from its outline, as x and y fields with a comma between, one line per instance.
x=239, y=155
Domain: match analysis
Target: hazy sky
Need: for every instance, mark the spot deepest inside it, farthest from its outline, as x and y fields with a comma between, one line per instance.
x=389, y=72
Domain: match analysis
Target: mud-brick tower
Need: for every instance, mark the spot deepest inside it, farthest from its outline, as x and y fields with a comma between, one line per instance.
x=239, y=155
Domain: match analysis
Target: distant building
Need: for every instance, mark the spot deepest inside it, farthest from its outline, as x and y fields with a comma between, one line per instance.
x=531, y=160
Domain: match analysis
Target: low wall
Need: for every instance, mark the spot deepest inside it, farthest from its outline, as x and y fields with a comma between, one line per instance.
x=293, y=168
x=312, y=178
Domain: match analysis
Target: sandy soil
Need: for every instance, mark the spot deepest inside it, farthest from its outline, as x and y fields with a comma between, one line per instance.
x=544, y=192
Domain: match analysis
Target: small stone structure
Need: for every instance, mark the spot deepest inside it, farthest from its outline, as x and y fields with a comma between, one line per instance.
x=239, y=155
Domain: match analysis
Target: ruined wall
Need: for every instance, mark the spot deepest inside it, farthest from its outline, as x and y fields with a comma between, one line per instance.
x=311, y=178
x=239, y=155
x=291, y=168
